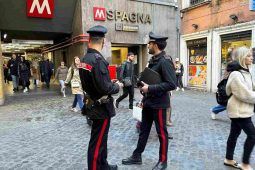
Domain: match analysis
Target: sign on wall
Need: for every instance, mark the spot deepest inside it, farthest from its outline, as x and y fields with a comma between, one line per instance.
x=40, y=8
x=101, y=14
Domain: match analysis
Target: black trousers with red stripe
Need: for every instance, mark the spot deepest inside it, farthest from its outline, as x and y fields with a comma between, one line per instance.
x=159, y=117
x=97, y=151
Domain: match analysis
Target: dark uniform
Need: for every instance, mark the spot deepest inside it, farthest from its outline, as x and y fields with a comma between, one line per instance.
x=96, y=82
x=155, y=104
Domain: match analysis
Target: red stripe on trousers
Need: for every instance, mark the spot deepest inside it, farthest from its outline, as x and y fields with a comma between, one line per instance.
x=98, y=144
x=161, y=127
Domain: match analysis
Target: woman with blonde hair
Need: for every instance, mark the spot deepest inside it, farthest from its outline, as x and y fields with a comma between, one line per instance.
x=73, y=76
x=240, y=108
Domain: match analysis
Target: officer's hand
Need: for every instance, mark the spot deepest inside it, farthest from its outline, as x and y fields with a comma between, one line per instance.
x=145, y=87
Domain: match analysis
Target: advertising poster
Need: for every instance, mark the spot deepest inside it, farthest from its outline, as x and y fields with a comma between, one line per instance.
x=197, y=63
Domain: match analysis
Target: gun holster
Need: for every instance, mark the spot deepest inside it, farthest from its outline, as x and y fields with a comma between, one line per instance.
x=98, y=109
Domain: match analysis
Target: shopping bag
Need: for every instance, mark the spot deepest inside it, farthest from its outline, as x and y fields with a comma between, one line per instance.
x=137, y=113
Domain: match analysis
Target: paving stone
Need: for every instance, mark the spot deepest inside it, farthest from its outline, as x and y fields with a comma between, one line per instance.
x=39, y=132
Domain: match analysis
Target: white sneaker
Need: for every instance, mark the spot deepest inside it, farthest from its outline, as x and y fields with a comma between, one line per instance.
x=74, y=110
x=177, y=89
x=213, y=115
x=25, y=90
x=182, y=89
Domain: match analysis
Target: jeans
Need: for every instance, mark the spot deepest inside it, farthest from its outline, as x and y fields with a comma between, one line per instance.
x=219, y=108
x=127, y=91
x=179, y=81
x=237, y=125
x=62, y=84
x=15, y=81
x=78, y=99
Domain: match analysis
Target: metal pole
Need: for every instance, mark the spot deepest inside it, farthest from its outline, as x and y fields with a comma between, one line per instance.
x=2, y=97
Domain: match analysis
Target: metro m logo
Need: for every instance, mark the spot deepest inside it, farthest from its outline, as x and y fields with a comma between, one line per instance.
x=99, y=14
x=40, y=8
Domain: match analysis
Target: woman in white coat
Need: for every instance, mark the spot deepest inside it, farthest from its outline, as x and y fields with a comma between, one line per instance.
x=240, y=108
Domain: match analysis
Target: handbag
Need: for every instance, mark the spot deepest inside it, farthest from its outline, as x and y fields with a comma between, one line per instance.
x=137, y=113
x=127, y=81
x=75, y=84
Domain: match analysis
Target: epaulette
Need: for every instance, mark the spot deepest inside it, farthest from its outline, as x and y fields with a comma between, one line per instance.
x=98, y=56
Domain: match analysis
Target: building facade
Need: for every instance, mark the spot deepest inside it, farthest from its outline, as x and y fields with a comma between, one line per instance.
x=209, y=31
x=64, y=23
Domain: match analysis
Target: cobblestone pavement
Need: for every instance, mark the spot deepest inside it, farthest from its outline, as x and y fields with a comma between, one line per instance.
x=37, y=131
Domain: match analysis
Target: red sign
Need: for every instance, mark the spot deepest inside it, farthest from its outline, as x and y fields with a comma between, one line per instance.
x=112, y=72
x=99, y=14
x=40, y=8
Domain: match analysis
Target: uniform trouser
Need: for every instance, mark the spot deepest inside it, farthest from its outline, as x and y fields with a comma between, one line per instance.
x=237, y=125
x=127, y=91
x=97, y=151
x=159, y=117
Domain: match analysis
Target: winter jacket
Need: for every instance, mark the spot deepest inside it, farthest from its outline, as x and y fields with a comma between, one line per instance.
x=61, y=73
x=240, y=87
x=74, y=76
x=13, y=66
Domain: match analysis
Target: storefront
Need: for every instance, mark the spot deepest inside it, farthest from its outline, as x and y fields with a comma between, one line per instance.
x=197, y=57
x=229, y=42
x=205, y=54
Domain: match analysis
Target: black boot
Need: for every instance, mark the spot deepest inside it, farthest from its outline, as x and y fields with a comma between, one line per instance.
x=112, y=167
x=160, y=166
x=132, y=160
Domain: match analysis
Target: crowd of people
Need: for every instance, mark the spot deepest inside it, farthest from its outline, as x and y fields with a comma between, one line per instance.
x=93, y=89
x=20, y=71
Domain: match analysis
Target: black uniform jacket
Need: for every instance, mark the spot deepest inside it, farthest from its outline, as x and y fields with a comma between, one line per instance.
x=157, y=96
x=95, y=77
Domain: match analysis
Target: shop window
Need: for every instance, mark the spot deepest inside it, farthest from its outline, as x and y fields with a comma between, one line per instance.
x=197, y=63
x=229, y=43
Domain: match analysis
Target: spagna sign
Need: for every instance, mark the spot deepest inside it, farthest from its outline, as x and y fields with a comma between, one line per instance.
x=101, y=14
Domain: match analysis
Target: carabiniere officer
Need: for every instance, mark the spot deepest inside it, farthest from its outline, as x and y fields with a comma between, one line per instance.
x=99, y=108
x=155, y=102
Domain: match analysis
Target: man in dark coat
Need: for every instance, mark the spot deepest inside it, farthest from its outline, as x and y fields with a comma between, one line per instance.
x=99, y=108
x=155, y=103
x=127, y=77
x=13, y=66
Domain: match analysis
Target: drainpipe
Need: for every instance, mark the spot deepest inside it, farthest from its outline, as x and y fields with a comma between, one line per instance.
x=2, y=97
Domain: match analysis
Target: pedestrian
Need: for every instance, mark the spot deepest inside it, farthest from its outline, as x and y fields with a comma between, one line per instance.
x=240, y=108
x=24, y=73
x=179, y=73
x=155, y=102
x=169, y=113
x=127, y=77
x=231, y=66
x=61, y=75
x=35, y=73
x=6, y=73
x=73, y=76
x=46, y=68
x=13, y=66
x=98, y=86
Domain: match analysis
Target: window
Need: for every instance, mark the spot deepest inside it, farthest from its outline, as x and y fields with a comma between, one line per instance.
x=195, y=2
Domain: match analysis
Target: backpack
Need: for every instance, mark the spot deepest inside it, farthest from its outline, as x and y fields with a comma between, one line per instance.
x=221, y=95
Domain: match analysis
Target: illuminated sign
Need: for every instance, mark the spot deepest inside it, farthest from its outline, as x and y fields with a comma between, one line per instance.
x=40, y=8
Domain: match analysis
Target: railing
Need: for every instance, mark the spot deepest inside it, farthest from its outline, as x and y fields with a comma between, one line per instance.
x=195, y=2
